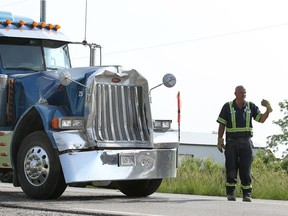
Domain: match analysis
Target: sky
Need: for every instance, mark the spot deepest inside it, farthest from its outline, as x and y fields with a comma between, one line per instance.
x=210, y=46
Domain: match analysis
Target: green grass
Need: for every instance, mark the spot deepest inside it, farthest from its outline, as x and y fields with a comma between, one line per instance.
x=204, y=177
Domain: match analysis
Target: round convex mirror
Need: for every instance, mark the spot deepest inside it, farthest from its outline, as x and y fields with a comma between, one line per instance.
x=65, y=78
x=169, y=80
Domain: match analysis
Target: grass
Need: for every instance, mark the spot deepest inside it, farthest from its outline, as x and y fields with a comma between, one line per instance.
x=204, y=177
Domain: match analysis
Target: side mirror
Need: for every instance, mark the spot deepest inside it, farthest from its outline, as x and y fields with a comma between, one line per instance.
x=65, y=78
x=169, y=80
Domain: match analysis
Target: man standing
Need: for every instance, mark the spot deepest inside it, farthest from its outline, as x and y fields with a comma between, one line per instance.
x=236, y=117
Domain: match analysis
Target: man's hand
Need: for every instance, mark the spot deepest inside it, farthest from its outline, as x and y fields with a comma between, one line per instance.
x=266, y=104
x=220, y=144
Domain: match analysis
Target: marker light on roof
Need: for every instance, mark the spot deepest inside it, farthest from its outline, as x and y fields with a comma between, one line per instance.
x=21, y=23
x=8, y=22
x=34, y=24
x=57, y=27
x=50, y=26
x=43, y=24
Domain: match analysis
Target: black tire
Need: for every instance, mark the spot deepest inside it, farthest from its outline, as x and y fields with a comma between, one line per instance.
x=139, y=188
x=39, y=169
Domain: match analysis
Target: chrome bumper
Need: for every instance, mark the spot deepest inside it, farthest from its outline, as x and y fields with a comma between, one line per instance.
x=108, y=165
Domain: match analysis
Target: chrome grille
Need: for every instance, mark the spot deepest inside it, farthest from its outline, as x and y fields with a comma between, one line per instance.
x=121, y=114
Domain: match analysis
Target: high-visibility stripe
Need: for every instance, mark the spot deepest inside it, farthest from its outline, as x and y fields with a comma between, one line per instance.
x=221, y=120
x=258, y=117
x=248, y=114
x=230, y=184
x=243, y=129
x=233, y=116
x=246, y=187
x=234, y=127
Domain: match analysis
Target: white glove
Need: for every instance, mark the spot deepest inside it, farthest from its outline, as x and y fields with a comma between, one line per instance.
x=220, y=144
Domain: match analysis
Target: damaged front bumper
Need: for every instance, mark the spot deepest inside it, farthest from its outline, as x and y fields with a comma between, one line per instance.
x=107, y=165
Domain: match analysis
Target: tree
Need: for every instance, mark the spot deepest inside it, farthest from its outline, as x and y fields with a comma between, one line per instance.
x=276, y=140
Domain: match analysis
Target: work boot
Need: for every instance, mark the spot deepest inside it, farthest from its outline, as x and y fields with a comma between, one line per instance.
x=231, y=197
x=247, y=198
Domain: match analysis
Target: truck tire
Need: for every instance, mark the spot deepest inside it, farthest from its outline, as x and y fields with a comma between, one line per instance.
x=39, y=169
x=139, y=188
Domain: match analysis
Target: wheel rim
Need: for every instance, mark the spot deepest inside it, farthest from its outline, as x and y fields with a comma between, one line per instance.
x=36, y=166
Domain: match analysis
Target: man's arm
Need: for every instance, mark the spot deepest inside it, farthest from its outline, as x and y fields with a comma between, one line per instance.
x=264, y=116
x=220, y=141
x=269, y=109
x=221, y=130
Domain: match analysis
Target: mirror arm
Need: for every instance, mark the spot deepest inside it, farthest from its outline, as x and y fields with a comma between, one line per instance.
x=156, y=86
x=66, y=76
x=160, y=84
x=75, y=82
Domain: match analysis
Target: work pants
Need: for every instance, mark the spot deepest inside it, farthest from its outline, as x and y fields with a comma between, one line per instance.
x=238, y=155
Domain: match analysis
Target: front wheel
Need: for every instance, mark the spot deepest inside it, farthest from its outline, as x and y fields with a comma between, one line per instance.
x=139, y=188
x=39, y=169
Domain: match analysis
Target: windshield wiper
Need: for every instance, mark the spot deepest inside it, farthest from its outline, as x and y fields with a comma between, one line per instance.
x=52, y=68
x=22, y=68
x=55, y=68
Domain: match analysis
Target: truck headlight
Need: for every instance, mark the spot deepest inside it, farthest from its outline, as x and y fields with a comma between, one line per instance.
x=162, y=125
x=76, y=123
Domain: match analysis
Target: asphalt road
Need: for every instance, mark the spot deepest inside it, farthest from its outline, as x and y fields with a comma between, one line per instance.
x=85, y=201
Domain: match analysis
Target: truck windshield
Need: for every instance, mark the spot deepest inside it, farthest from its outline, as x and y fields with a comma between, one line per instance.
x=57, y=58
x=23, y=57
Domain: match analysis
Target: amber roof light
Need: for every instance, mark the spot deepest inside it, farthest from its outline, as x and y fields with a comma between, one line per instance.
x=8, y=22
x=21, y=23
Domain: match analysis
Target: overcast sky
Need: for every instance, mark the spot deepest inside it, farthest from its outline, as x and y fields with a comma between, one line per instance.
x=210, y=46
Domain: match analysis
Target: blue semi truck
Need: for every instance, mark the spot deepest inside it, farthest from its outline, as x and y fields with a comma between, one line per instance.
x=63, y=126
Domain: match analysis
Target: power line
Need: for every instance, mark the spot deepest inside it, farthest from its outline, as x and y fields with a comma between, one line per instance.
x=13, y=3
x=192, y=40
x=197, y=39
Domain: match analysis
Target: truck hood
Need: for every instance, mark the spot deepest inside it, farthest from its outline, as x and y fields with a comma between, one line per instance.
x=45, y=87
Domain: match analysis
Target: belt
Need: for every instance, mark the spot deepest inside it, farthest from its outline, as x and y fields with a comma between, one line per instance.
x=239, y=138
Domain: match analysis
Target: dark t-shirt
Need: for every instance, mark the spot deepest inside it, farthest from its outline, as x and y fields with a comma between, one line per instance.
x=241, y=126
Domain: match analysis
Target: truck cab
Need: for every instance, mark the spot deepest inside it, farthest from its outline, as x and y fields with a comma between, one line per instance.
x=61, y=126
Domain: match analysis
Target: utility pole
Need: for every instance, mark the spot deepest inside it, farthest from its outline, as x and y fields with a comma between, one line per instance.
x=43, y=10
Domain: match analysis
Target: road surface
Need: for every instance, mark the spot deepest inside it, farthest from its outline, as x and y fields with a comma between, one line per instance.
x=104, y=202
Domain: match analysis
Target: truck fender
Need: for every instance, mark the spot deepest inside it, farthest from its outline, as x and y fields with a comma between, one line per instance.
x=36, y=118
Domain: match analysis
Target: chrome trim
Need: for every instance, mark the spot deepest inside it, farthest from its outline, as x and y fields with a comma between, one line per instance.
x=92, y=166
x=166, y=145
x=36, y=166
x=70, y=140
x=129, y=112
x=118, y=114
